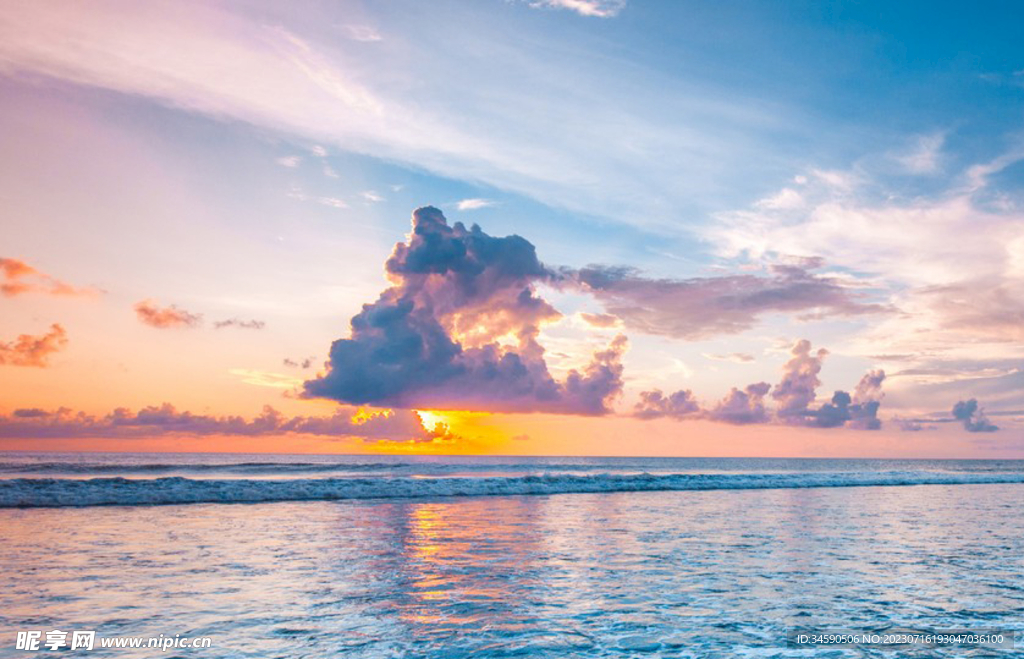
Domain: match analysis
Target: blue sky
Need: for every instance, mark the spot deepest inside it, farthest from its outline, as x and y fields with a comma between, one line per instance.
x=262, y=160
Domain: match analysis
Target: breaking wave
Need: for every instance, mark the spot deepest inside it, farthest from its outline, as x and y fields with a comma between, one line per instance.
x=58, y=492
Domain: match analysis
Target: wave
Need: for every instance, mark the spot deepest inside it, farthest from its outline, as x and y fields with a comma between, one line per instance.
x=56, y=492
x=79, y=468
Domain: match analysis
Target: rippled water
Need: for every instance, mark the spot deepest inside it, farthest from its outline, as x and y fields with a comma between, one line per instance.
x=721, y=573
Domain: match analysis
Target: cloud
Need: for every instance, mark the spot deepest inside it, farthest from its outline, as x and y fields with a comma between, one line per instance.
x=602, y=320
x=30, y=413
x=736, y=357
x=795, y=392
x=739, y=407
x=239, y=323
x=654, y=404
x=19, y=278
x=290, y=161
x=597, y=8
x=911, y=425
x=794, y=395
x=371, y=196
x=960, y=291
x=153, y=421
x=266, y=379
x=990, y=308
x=742, y=407
x=840, y=411
x=458, y=330
x=320, y=87
x=703, y=307
x=474, y=204
x=153, y=315
x=363, y=33
x=973, y=418
x=924, y=156
x=303, y=364
x=787, y=198
x=28, y=350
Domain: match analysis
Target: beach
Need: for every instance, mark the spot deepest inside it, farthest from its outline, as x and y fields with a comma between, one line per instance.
x=686, y=573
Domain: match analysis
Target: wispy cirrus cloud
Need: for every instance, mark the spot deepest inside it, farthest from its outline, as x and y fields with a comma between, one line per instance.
x=735, y=357
x=601, y=320
x=474, y=203
x=363, y=33
x=164, y=420
x=596, y=8
x=31, y=350
x=151, y=313
x=19, y=278
x=924, y=155
x=703, y=307
x=267, y=379
x=319, y=88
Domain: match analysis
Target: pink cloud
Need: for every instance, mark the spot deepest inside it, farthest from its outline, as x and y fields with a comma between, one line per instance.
x=153, y=315
x=28, y=350
x=19, y=278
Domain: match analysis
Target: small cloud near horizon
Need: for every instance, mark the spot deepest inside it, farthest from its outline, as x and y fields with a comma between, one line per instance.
x=155, y=421
x=794, y=395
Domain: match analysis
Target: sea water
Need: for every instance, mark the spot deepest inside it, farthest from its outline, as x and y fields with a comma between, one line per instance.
x=300, y=556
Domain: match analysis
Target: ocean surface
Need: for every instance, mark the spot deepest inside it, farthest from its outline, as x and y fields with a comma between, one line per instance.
x=440, y=557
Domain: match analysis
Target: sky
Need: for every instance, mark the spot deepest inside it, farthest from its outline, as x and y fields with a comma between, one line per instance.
x=548, y=227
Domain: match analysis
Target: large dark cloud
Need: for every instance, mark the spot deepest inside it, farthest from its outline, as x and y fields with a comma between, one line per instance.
x=794, y=395
x=154, y=421
x=702, y=307
x=458, y=330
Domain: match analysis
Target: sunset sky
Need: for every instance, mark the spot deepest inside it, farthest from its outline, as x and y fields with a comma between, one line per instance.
x=579, y=227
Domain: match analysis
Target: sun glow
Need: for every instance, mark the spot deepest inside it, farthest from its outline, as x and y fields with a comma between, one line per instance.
x=431, y=419
x=363, y=414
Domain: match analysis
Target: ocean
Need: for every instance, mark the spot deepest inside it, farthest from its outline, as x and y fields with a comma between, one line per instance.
x=443, y=557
